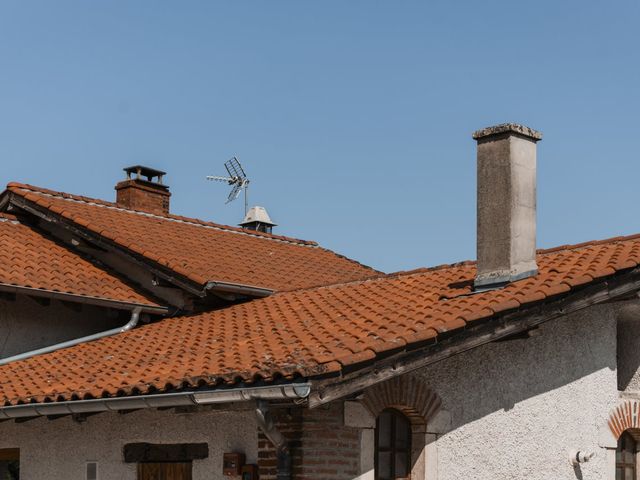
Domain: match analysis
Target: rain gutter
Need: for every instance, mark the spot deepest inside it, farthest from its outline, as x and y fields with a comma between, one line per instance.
x=292, y=391
x=238, y=288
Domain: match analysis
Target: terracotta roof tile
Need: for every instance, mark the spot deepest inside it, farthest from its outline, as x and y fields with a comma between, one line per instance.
x=29, y=259
x=203, y=251
x=305, y=332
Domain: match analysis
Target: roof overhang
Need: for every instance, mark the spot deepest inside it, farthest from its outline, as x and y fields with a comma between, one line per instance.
x=356, y=378
x=88, y=300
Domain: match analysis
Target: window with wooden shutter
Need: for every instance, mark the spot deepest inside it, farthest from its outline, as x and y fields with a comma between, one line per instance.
x=626, y=457
x=393, y=446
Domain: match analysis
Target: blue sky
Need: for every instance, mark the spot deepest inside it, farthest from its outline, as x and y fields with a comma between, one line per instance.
x=353, y=119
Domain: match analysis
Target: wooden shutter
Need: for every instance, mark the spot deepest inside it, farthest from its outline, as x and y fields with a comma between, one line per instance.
x=393, y=446
x=164, y=471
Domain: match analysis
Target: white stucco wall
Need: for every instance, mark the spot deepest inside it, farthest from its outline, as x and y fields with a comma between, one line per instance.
x=518, y=407
x=58, y=449
x=26, y=325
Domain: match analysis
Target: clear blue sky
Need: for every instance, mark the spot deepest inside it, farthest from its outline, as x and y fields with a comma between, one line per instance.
x=353, y=119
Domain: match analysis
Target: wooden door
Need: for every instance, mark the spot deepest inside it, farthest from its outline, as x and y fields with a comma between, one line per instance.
x=164, y=471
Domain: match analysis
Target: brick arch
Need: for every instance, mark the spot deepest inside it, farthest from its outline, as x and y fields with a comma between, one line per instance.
x=626, y=416
x=408, y=395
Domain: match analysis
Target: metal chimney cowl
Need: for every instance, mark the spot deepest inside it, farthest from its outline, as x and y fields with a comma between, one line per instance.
x=258, y=219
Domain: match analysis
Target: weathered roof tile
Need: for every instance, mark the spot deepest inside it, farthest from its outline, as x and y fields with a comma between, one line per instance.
x=30, y=259
x=203, y=251
x=305, y=333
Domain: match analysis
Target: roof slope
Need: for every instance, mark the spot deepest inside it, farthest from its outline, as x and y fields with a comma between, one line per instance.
x=30, y=260
x=304, y=332
x=203, y=251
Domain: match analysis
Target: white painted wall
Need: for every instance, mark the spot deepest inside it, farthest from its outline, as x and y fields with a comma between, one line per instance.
x=58, y=449
x=518, y=407
x=26, y=325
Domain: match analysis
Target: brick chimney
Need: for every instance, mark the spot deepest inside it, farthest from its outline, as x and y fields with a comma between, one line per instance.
x=506, y=243
x=146, y=194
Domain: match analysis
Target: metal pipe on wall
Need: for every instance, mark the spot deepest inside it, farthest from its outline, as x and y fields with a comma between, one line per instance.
x=133, y=321
x=268, y=427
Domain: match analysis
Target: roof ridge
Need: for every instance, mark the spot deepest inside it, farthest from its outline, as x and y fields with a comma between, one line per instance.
x=444, y=266
x=539, y=251
x=381, y=276
x=170, y=217
x=589, y=243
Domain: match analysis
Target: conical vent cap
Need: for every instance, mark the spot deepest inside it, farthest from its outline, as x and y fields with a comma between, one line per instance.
x=257, y=215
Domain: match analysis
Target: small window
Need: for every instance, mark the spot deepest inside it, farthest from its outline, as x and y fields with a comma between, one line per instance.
x=626, y=457
x=92, y=471
x=393, y=446
x=9, y=464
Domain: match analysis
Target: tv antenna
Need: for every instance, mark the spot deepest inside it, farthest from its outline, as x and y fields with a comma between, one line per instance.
x=237, y=178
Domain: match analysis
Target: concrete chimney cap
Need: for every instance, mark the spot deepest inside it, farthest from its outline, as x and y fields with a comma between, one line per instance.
x=508, y=128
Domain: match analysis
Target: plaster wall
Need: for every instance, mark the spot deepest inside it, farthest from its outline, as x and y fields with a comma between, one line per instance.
x=518, y=407
x=58, y=449
x=26, y=325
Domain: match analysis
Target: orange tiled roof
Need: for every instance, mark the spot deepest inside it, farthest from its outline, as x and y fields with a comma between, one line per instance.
x=305, y=332
x=203, y=251
x=28, y=259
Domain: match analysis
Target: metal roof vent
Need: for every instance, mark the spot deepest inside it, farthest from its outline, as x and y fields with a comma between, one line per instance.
x=258, y=219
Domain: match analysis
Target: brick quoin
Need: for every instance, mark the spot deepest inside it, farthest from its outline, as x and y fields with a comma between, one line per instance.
x=322, y=448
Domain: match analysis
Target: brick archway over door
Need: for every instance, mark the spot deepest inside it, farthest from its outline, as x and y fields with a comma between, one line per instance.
x=626, y=416
x=407, y=394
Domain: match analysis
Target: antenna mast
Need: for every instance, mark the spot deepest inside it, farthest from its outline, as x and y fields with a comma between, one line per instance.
x=237, y=178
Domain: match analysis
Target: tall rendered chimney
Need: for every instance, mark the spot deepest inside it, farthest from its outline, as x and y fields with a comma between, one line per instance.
x=506, y=243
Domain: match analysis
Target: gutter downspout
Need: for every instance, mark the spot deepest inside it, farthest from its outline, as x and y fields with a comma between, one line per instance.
x=283, y=452
x=133, y=321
